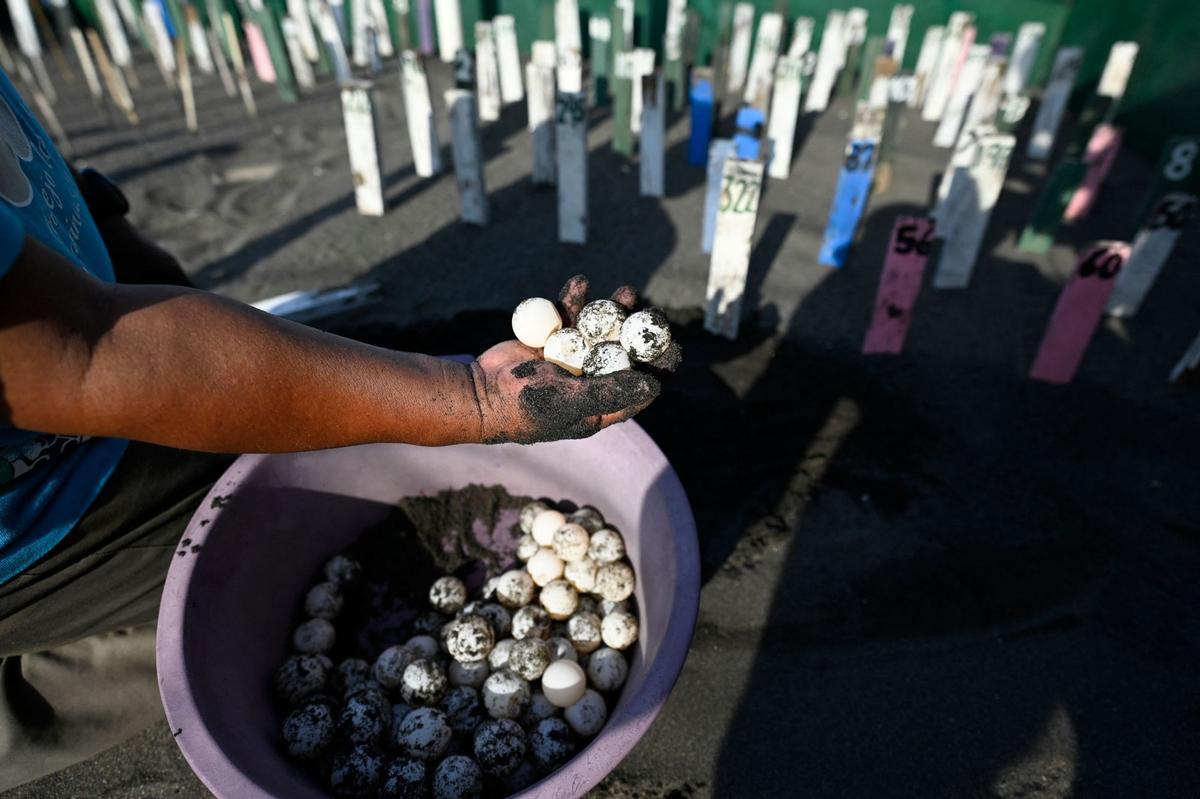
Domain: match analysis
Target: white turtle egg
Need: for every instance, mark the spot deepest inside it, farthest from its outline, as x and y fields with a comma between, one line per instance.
x=471, y=674
x=534, y=321
x=586, y=717
x=515, y=588
x=561, y=648
x=619, y=630
x=615, y=581
x=566, y=348
x=583, y=630
x=600, y=320
x=571, y=542
x=605, y=358
x=646, y=335
x=505, y=694
x=559, y=599
x=564, y=683
x=581, y=574
x=529, y=512
x=545, y=525
x=498, y=658
x=544, y=567
x=527, y=547
x=606, y=546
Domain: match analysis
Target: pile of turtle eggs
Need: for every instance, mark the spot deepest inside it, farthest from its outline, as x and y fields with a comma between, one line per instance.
x=493, y=693
x=604, y=339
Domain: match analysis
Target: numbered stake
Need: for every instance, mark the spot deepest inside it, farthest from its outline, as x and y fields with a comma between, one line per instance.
x=1024, y=56
x=487, y=73
x=331, y=35
x=1117, y=69
x=600, y=32
x=897, y=32
x=418, y=111
x=702, y=102
x=448, y=16
x=675, y=73
x=300, y=66
x=927, y=58
x=849, y=201
x=785, y=108
x=957, y=44
x=1078, y=311
x=741, y=185
x=963, y=219
x=643, y=65
x=1101, y=153
x=623, y=71
x=829, y=61
x=1054, y=102
x=720, y=151
x=739, y=47
x=298, y=13
x=540, y=98
x=762, y=66
x=969, y=79
x=802, y=33
x=509, y=58
x=571, y=142
x=651, y=169
x=358, y=111
x=985, y=104
x=899, y=285
x=467, y=152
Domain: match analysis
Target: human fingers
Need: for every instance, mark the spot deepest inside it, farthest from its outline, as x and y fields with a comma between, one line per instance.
x=626, y=297
x=572, y=298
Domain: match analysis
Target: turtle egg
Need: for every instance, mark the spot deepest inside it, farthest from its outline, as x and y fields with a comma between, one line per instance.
x=646, y=335
x=615, y=581
x=463, y=709
x=581, y=574
x=571, y=542
x=545, y=525
x=527, y=547
x=389, y=667
x=351, y=673
x=587, y=517
x=457, y=777
x=515, y=589
x=363, y=719
x=584, y=631
x=619, y=629
x=534, y=321
x=488, y=592
x=499, y=746
x=342, y=570
x=323, y=600
x=529, y=512
x=544, y=566
x=448, y=594
x=561, y=648
x=600, y=320
x=356, y=771
x=371, y=692
x=424, y=646
x=587, y=716
x=606, y=546
x=588, y=604
x=564, y=682
x=567, y=349
x=498, y=657
x=505, y=694
x=529, y=657
x=404, y=779
x=469, y=638
x=470, y=675
x=607, y=669
x=531, y=621
x=308, y=730
x=559, y=599
x=301, y=676
x=605, y=358
x=314, y=637
x=424, y=734
x=498, y=617
x=424, y=683
x=551, y=745
x=539, y=708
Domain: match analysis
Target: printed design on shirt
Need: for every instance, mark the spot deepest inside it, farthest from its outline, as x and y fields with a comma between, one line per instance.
x=17, y=461
x=15, y=148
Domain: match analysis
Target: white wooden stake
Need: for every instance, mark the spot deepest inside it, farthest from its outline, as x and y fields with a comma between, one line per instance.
x=218, y=54
x=829, y=58
x=468, y=156
x=651, y=147
x=1024, y=56
x=762, y=66
x=300, y=66
x=956, y=107
x=448, y=16
x=112, y=77
x=942, y=77
x=571, y=145
x=359, y=113
x=1189, y=361
x=361, y=22
x=1151, y=248
x=1117, y=70
x=185, y=86
x=418, y=112
x=1054, y=102
x=239, y=63
x=719, y=151
x=85, y=62
x=199, y=43
x=297, y=10
x=739, y=46
x=114, y=34
x=331, y=35
x=802, y=32
x=508, y=58
x=379, y=23
x=897, y=32
x=487, y=73
x=539, y=75
x=25, y=29
x=785, y=108
x=164, y=51
x=643, y=65
x=985, y=105
x=673, y=35
x=741, y=185
x=628, y=7
x=927, y=58
x=567, y=36
x=964, y=218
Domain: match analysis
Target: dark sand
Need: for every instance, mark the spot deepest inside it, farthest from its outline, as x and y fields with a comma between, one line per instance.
x=924, y=575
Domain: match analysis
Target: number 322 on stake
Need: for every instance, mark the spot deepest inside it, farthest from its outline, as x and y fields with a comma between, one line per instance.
x=741, y=184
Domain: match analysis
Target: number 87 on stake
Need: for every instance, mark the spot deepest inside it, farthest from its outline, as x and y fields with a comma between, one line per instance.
x=849, y=201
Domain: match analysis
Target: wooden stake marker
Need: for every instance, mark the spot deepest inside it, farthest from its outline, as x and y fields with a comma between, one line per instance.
x=1078, y=311
x=802, y=34
x=418, y=111
x=1054, y=102
x=239, y=64
x=651, y=149
x=88, y=65
x=829, y=61
x=571, y=146
x=964, y=215
x=539, y=75
x=643, y=65
x=739, y=47
x=113, y=78
x=968, y=83
x=358, y=111
x=300, y=66
x=785, y=108
x=185, y=86
x=600, y=33
x=899, y=285
x=487, y=72
x=509, y=59
x=1024, y=56
x=897, y=32
x=849, y=201
x=449, y=28
x=762, y=66
x=676, y=71
x=702, y=99
x=927, y=58
x=468, y=156
x=1101, y=153
x=741, y=186
x=956, y=45
x=719, y=151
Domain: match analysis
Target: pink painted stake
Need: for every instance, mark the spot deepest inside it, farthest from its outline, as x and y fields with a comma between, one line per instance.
x=1101, y=152
x=899, y=285
x=968, y=41
x=259, y=53
x=1078, y=312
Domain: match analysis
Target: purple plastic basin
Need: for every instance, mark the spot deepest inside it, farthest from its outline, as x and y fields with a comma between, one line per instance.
x=271, y=521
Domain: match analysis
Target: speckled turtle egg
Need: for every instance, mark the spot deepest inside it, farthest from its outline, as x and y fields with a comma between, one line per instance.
x=587, y=716
x=498, y=658
x=525, y=776
x=363, y=720
x=615, y=581
x=607, y=669
x=424, y=683
x=448, y=594
x=545, y=525
x=424, y=734
x=370, y=692
x=560, y=648
x=588, y=518
x=566, y=348
x=469, y=638
x=457, y=777
x=496, y=615
x=619, y=629
x=314, y=637
x=551, y=744
x=529, y=657
x=515, y=589
x=342, y=570
x=301, y=676
x=571, y=542
x=349, y=674
x=544, y=566
x=583, y=629
x=470, y=675
x=534, y=321
x=488, y=592
x=499, y=746
x=606, y=358
x=527, y=547
x=563, y=683
x=531, y=621
x=600, y=320
x=539, y=708
x=308, y=730
x=356, y=771
x=405, y=778
x=323, y=600
x=529, y=512
x=646, y=335
x=424, y=646
x=505, y=694
x=606, y=546
x=463, y=709
x=581, y=574
x=399, y=712
x=429, y=623
x=559, y=599
x=389, y=667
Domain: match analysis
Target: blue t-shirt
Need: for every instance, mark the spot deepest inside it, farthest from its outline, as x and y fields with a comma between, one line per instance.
x=47, y=481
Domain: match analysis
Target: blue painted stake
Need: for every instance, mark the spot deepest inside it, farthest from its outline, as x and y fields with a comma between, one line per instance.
x=702, y=122
x=853, y=190
x=747, y=140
